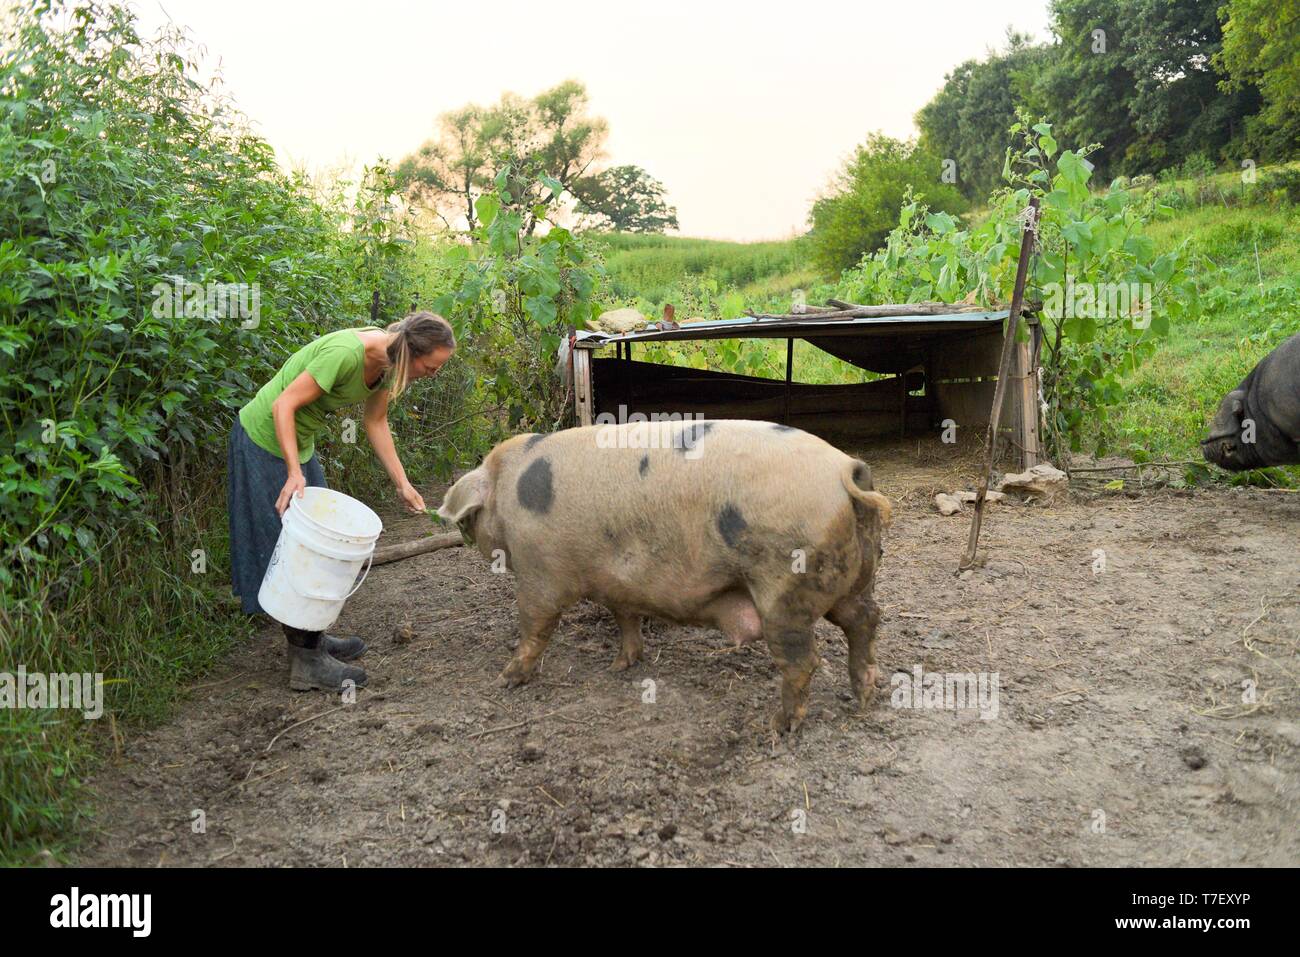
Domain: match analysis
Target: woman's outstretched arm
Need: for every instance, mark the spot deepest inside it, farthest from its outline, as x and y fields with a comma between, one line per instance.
x=381, y=440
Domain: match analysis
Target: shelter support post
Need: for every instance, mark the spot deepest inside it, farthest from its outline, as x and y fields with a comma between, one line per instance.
x=902, y=405
x=582, y=385
x=1028, y=237
x=1025, y=383
x=789, y=377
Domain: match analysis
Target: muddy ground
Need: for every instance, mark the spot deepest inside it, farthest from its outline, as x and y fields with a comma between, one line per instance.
x=1123, y=733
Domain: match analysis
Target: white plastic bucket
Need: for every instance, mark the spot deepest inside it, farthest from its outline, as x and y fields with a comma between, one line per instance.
x=325, y=539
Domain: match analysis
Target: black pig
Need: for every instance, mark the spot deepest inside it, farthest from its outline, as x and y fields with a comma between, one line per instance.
x=1258, y=423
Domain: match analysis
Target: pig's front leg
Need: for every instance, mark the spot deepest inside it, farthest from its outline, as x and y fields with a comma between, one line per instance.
x=629, y=626
x=539, y=613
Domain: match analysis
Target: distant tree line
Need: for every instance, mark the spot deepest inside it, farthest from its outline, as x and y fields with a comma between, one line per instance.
x=1156, y=82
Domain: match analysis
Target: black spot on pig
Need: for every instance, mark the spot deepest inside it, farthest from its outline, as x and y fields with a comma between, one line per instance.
x=781, y=427
x=692, y=433
x=533, y=440
x=534, y=488
x=644, y=466
x=731, y=525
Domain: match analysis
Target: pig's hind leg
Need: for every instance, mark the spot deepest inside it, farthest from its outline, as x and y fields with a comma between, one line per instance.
x=629, y=626
x=858, y=616
x=793, y=648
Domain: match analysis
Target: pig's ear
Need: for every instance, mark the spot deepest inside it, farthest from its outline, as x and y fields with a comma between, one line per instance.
x=465, y=497
x=1235, y=402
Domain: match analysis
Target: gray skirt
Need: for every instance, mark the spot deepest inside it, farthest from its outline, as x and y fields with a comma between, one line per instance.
x=254, y=480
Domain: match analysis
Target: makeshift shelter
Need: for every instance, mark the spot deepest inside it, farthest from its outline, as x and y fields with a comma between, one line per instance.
x=939, y=364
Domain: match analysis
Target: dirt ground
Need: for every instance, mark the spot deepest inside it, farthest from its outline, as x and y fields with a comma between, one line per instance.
x=1123, y=734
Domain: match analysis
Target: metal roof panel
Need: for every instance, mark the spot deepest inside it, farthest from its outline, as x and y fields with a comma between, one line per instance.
x=747, y=327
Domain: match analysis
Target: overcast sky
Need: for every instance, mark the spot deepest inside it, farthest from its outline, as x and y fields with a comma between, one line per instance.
x=741, y=109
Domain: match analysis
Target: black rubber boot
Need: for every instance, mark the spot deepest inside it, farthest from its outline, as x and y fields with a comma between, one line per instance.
x=315, y=668
x=343, y=647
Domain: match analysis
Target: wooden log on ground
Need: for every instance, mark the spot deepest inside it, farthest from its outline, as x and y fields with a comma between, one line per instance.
x=395, y=553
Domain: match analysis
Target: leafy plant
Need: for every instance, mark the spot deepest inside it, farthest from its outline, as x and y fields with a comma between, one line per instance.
x=1086, y=241
x=857, y=214
x=132, y=198
x=512, y=296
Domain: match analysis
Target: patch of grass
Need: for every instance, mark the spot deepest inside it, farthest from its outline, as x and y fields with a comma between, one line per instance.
x=756, y=357
x=180, y=620
x=1249, y=290
x=704, y=277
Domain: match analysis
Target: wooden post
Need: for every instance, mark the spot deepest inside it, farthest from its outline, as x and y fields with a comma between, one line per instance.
x=789, y=377
x=582, y=385
x=1027, y=239
x=1026, y=397
x=625, y=376
x=374, y=307
x=902, y=405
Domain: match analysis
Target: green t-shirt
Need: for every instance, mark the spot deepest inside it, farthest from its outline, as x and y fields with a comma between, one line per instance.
x=337, y=361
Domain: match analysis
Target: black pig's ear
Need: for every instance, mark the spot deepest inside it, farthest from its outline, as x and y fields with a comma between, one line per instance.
x=466, y=497
x=1235, y=398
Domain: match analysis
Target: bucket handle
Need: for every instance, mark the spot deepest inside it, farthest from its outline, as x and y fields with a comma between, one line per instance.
x=369, y=561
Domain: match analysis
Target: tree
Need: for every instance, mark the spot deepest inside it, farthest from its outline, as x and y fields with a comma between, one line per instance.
x=448, y=172
x=1177, y=106
x=1261, y=45
x=867, y=194
x=967, y=121
x=626, y=199
x=1140, y=76
x=546, y=143
x=1086, y=83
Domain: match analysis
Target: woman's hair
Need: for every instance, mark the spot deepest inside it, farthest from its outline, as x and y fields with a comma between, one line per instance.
x=417, y=335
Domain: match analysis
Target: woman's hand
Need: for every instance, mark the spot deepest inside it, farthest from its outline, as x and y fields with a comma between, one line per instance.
x=410, y=497
x=381, y=440
x=292, y=487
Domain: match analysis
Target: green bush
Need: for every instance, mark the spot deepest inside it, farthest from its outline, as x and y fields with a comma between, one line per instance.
x=1282, y=182
x=854, y=219
x=513, y=295
x=123, y=180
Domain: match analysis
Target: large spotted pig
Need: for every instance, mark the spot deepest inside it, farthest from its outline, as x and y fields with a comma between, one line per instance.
x=1258, y=423
x=756, y=529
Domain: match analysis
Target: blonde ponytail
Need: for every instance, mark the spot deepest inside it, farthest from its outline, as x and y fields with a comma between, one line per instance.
x=417, y=335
